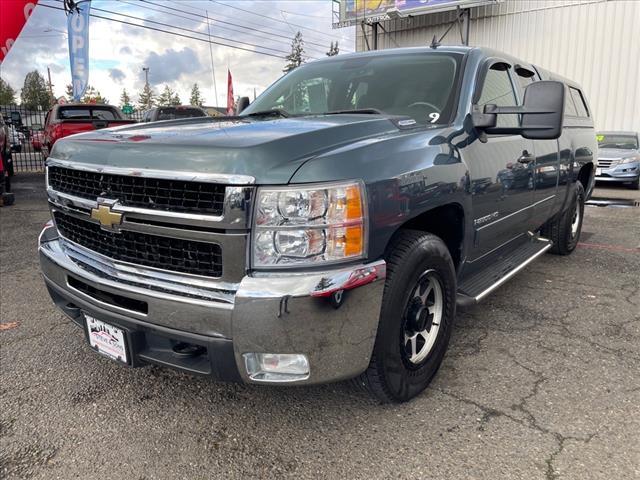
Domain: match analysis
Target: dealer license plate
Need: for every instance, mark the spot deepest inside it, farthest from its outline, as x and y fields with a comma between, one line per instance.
x=598, y=172
x=106, y=339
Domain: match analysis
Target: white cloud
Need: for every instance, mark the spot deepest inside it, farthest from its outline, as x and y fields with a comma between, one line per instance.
x=177, y=61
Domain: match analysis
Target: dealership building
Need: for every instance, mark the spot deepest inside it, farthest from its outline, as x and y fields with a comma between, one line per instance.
x=593, y=42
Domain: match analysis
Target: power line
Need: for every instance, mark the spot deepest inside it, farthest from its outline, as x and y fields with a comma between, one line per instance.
x=185, y=29
x=202, y=19
x=273, y=19
x=271, y=34
x=171, y=33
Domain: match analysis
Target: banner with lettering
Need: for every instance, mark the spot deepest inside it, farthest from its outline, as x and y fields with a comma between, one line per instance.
x=78, y=29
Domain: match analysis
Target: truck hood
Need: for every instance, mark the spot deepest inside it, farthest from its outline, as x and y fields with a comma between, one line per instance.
x=616, y=153
x=269, y=150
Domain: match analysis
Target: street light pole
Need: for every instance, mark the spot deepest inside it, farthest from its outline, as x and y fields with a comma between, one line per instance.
x=146, y=75
x=52, y=99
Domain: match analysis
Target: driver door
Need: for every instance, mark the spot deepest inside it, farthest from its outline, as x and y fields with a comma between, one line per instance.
x=501, y=170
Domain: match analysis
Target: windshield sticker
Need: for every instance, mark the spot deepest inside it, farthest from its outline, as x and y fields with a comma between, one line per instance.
x=434, y=117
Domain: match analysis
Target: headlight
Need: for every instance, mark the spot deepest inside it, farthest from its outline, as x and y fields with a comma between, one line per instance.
x=629, y=160
x=309, y=225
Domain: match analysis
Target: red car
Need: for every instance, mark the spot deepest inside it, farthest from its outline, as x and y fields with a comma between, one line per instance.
x=37, y=140
x=67, y=119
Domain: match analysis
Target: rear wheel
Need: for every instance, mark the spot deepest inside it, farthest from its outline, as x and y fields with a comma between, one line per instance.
x=564, y=231
x=415, y=322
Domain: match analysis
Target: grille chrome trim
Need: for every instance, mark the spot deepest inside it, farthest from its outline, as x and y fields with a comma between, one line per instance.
x=235, y=213
x=138, y=277
x=227, y=179
x=163, y=252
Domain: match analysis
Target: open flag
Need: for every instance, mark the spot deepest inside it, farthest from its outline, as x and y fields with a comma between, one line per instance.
x=78, y=29
x=230, y=101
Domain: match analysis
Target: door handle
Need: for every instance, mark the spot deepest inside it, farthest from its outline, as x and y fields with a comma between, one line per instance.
x=526, y=157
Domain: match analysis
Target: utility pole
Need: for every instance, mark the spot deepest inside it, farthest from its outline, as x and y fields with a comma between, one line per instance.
x=146, y=75
x=215, y=88
x=50, y=86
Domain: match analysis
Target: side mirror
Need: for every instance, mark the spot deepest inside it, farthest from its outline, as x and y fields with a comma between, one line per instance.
x=542, y=113
x=242, y=104
x=546, y=98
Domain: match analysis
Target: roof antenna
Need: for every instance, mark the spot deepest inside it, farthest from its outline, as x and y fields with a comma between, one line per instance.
x=434, y=43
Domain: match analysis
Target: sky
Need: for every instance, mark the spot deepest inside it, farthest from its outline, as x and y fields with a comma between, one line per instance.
x=118, y=51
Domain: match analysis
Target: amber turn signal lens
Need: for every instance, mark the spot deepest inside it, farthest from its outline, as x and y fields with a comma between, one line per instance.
x=354, y=203
x=353, y=241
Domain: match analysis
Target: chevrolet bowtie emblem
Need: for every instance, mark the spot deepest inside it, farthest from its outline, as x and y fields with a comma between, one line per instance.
x=106, y=217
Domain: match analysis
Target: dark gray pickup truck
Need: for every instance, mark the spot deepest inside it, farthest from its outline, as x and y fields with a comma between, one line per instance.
x=327, y=231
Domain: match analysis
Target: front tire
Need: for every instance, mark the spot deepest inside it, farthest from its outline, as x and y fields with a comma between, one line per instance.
x=417, y=314
x=564, y=231
x=636, y=184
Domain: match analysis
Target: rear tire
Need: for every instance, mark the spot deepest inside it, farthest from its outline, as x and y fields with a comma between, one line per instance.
x=418, y=308
x=564, y=231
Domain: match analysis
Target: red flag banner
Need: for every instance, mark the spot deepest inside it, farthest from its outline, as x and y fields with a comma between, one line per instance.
x=230, y=102
x=14, y=15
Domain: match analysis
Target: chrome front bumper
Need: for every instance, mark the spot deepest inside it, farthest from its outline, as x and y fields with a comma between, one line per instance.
x=330, y=316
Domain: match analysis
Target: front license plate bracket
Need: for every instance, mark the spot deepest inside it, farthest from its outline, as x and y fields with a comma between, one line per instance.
x=107, y=339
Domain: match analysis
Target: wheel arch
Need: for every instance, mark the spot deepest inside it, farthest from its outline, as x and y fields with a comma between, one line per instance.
x=447, y=222
x=586, y=176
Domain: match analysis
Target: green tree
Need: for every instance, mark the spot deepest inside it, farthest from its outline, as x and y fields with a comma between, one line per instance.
x=69, y=92
x=296, y=57
x=196, y=97
x=34, y=93
x=334, y=49
x=146, y=98
x=168, y=97
x=92, y=95
x=7, y=94
x=124, y=98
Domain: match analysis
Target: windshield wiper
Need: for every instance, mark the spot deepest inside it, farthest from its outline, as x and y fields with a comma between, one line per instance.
x=267, y=113
x=369, y=111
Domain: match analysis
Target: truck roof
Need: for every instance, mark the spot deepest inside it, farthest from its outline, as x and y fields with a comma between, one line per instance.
x=617, y=132
x=460, y=49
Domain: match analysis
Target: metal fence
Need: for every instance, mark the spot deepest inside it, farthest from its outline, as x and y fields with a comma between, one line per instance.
x=26, y=136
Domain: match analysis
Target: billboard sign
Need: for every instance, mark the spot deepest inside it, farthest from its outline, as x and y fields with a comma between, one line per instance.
x=352, y=12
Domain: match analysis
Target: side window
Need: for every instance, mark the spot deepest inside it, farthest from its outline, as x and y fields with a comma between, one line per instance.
x=498, y=90
x=581, y=107
x=569, y=106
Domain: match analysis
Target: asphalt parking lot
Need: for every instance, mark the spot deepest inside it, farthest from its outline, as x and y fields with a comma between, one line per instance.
x=542, y=381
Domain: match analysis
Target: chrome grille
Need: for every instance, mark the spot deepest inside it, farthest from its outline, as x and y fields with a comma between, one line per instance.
x=178, y=255
x=605, y=162
x=142, y=192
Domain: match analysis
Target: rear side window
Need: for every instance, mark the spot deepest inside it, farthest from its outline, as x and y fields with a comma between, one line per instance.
x=498, y=90
x=74, y=113
x=569, y=106
x=581, y=107
x=172, y=113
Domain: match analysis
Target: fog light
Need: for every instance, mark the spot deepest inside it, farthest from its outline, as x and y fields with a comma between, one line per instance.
x=276, y=367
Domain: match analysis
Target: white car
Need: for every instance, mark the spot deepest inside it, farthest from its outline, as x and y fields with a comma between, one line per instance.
x=16, y=139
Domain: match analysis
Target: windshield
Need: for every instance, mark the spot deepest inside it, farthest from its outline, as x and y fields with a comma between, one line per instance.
x=626, y=142
x=173, y=113
x=418, y=85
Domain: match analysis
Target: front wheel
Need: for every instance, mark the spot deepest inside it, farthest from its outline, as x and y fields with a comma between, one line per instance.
x=636, y=184
x=564, y=231
x=417, y=313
